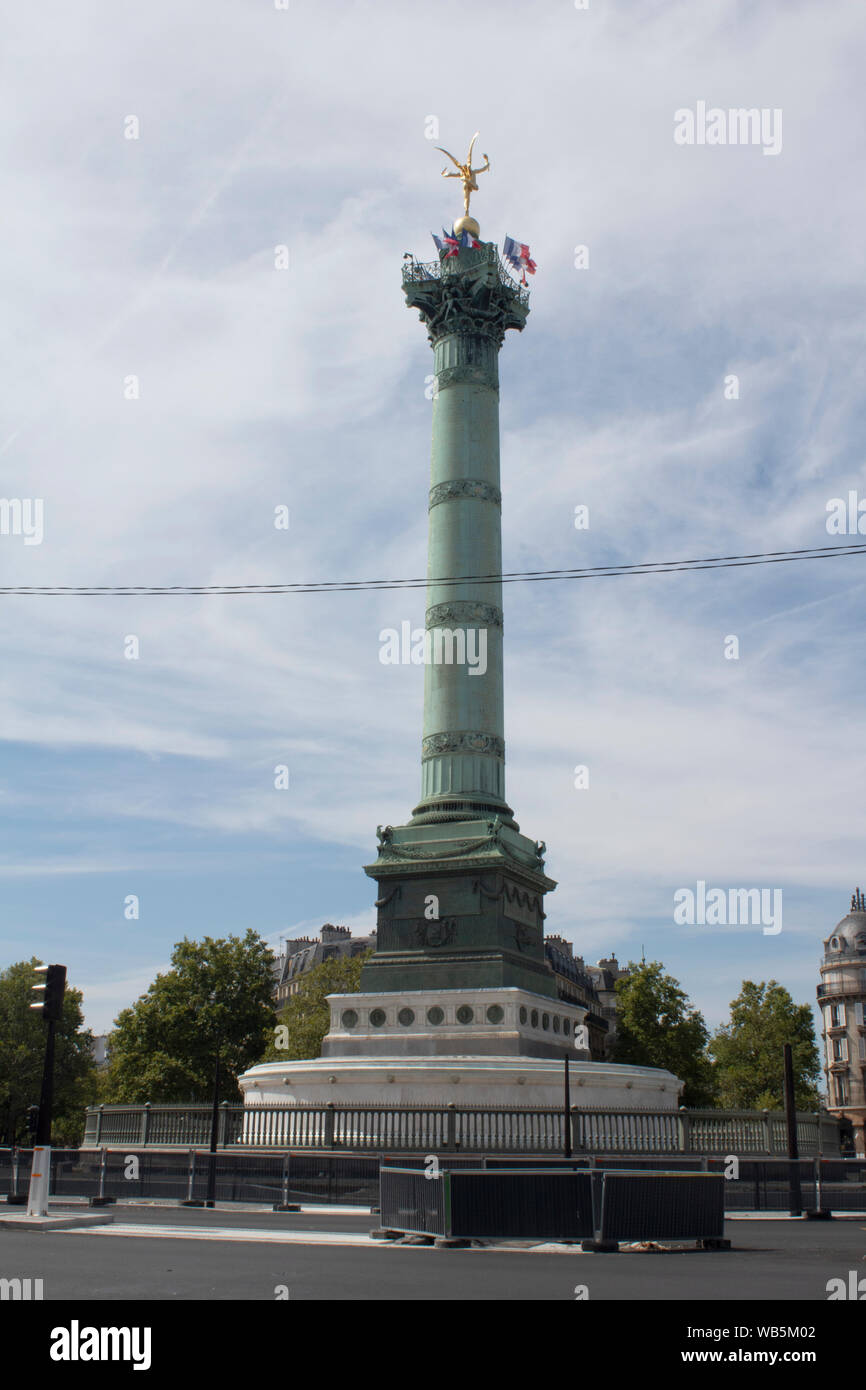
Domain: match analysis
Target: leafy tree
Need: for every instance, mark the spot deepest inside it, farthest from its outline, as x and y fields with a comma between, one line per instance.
x=217, y=996
x=657, y=1027
x=22, y=1053
x=748, y=1051
x=306, y=1017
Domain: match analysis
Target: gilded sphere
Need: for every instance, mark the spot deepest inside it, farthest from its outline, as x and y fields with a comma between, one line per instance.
x=466, y=224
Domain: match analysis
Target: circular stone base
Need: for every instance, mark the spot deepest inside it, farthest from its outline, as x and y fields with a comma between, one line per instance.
x=497, y=1082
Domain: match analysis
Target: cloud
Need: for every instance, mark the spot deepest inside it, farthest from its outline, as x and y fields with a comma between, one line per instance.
x=306, y=387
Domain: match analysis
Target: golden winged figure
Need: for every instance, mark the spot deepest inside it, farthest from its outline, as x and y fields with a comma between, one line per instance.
x=465, y=172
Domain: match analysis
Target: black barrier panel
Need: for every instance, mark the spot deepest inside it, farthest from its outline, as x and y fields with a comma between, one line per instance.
x=764, y=1185
x=551, y=1204
x=146, y=1174
x=446, y=1160
x=761, y=1184
x=346, y=1180
x=842, y=1185
x=542, y=1164
x=5, y=1172
x=240, y=1177
x=74, y=1174
x=311, y=1178
x=15, y=1171
x=411, y=1202
x=692, y=1164
x=662, y=1206
x=504, y=1204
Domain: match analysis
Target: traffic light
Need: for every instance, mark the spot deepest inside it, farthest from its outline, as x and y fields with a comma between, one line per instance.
x=32, y=1118
x=51, y=1004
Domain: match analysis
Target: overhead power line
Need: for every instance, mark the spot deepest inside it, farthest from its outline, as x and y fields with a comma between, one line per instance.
x=336, y=586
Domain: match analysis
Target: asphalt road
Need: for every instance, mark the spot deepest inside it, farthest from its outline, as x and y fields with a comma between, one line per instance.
x=174, y=1253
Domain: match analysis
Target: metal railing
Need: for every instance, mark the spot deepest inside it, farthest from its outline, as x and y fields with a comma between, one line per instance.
x=415, y=272
x=752, y=1184
x=459, y=1129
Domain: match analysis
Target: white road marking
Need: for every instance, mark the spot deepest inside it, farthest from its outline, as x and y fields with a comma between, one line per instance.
x=332, y=1238
x=233, y=1233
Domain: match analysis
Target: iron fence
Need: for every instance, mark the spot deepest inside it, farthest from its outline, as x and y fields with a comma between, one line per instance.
x=456, y=1129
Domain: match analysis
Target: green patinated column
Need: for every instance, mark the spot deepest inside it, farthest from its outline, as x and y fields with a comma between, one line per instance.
x=467, y=304
x=461, y=890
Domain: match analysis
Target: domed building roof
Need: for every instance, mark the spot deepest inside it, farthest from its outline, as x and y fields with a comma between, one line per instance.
x=849, y=937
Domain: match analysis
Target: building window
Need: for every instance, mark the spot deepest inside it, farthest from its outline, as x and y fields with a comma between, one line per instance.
x=840, y=1049
x=841, y=1091
x=837, y=1015
x=862, y=1048
x=858, y=1012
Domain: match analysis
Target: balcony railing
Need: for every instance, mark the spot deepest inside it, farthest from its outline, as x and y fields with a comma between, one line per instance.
x=415, y=272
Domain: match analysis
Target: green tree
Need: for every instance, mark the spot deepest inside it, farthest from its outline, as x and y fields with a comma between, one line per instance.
x=657, y=1027
x=217, y=996
x=22, y=1053
x=306, y=1017
x=748, y=1051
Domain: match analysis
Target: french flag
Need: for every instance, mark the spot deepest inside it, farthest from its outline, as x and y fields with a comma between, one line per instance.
x=448, y=243
x=517, y=255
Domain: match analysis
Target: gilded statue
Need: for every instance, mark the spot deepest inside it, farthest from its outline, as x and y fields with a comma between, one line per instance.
x=465, y=172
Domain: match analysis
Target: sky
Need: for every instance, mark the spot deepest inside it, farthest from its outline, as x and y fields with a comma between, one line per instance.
x=313, y=127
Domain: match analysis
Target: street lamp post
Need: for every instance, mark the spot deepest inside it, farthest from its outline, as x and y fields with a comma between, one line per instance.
x=210, y=1200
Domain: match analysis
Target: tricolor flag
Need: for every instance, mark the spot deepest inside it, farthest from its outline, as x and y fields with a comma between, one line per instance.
x=517, y=255
x=448, y=243
x=468, y=240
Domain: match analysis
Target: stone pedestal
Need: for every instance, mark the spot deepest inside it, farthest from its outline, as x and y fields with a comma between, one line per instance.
x=460, y=905
x=446, y=1023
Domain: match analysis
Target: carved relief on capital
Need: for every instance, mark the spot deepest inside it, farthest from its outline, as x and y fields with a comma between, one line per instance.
x=460, y=375
x=464, y=612
x=466, y=741
x=465, y=487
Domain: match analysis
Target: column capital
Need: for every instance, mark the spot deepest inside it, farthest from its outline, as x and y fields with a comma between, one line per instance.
x=470, y=294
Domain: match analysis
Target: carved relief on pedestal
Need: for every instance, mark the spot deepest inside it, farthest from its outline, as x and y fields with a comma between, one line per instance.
x=436, y=933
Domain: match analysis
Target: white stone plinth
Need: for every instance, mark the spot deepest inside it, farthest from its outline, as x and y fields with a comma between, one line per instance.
x=502, y=1082
x=495, y=1022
